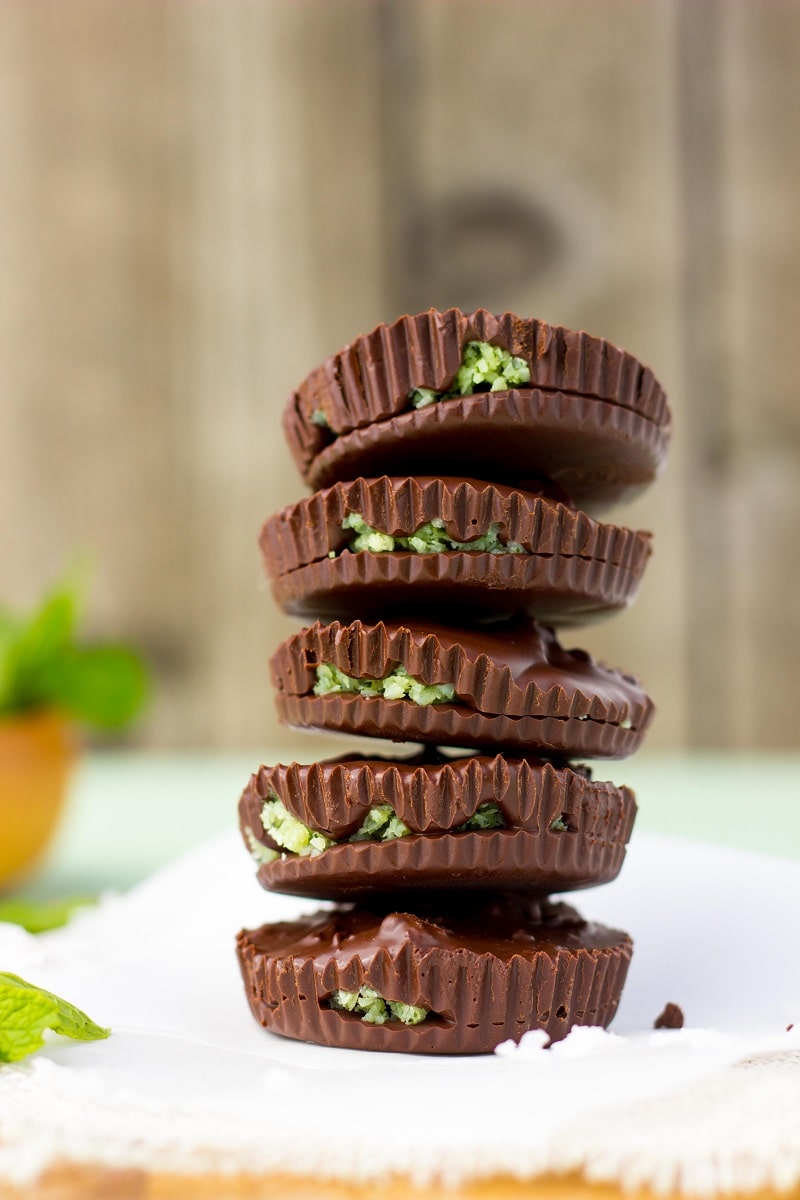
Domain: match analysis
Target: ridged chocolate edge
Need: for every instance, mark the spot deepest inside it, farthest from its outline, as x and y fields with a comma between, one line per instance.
x=555, y=590
x=538, y=863
x=450, y=725
x=369, y=379
x=307, y=532
x=483, y=684
x=486, y=1000
x=598, y=453
x=334, y=796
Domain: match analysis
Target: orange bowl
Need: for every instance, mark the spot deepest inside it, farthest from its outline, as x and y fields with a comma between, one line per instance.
x=37, y=751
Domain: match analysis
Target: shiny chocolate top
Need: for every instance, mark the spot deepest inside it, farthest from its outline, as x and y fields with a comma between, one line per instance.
x=505, y=926
x=513, y=668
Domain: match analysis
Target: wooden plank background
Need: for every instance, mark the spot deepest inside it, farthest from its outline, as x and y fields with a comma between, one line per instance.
x=198, y=201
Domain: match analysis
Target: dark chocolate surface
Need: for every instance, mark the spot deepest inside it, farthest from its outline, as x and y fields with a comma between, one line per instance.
x=486, y=860
x=452, y=725
x=432, y=793
x=515, y=686
x=559, y=591
x=432, y=798
x=516, y=667
x=486, y=969
x=599, y=453
x=573, y=568
x=593, y=418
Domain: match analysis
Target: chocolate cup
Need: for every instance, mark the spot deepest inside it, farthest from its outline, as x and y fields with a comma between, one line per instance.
x=487, y=860
x=449, y=725
x=572, y=568
x=593, y=418
x=515, y=687
x=487, y=971
x=599, y=453
x=559, y=591
x=433, y=796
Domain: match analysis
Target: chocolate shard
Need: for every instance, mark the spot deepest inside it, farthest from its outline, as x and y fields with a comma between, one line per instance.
x=484, y=971
x=561, y=830
x=670, y=1017
x=514, y=686
x=565, y=567
x=592, y=417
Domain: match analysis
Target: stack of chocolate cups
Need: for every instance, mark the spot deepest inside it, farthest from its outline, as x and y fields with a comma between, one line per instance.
x=460, y=460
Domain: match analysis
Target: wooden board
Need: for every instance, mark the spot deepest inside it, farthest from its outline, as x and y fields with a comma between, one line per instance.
x=74, y=1183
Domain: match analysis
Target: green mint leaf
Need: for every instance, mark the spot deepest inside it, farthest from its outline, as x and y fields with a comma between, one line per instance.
x=41, y=666
x=103, y=685
x=37, y=916
x=29, y=645
x=26, y=1011
x=7, y=636
x=51, y=628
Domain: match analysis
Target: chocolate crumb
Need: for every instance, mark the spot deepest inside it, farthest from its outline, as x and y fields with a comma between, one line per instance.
x=790, y=1027
x=670, y=1018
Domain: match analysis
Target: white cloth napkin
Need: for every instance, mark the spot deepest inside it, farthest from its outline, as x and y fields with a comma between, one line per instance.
x=189, y=1083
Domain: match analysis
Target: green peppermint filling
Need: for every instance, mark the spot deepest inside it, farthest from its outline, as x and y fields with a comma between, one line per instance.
x=430, y=538
x=372, y=1008
x=484, y=368
x=381, y=824
x=289, y=833
x=486, y=816
x=559, y=826
x=397, y=685
x=261, y=853
x=318, y=418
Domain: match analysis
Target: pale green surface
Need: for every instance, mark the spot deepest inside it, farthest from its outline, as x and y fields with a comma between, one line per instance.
x=130, y=813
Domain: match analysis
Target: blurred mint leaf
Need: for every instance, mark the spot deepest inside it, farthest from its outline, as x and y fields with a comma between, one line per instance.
x=42, y=666
x=7, y=635
x=26, y=1011
x=37, y=916
x=29, y=644
x=48, y=632
x=102, y=685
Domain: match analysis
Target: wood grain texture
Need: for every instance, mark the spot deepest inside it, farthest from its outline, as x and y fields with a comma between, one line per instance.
x=526, y=194
x=198, y=202
x=762, y=483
